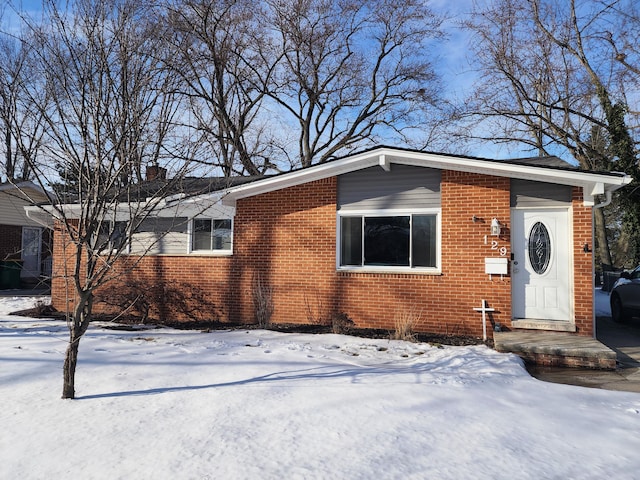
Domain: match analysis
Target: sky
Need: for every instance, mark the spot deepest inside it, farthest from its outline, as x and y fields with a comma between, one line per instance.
x=245, y=404
x=453, y=64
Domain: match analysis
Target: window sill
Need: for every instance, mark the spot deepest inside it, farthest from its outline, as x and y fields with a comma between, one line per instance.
x=186, y=255
x=390, y=270
x=211, y=253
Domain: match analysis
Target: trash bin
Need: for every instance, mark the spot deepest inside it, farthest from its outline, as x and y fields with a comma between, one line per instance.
x=10, y=274
x=609, y=279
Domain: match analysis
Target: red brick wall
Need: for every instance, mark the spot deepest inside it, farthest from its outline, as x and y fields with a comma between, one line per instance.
x=582, y=264
x=465, y=247
x=445, y=301
x=62, y=288
x=288, y=238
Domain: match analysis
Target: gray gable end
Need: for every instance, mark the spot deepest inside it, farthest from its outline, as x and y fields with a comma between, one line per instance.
x=404, y=186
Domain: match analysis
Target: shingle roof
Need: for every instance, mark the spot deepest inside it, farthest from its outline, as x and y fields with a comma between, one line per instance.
x=189, y=186
x=549, y=161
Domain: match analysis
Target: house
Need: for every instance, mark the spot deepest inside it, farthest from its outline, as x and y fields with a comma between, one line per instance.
x=379, y=235
x=22, y=238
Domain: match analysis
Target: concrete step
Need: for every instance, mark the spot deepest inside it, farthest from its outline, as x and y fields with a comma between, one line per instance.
x=556, y=349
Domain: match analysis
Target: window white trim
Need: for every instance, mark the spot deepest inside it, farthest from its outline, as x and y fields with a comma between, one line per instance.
x=390, y=269
x=215, y=252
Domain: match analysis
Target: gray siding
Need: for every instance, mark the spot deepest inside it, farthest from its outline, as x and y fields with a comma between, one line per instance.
x=405, y=186
x=529, y=194
x=161, y=235
x=12, y=210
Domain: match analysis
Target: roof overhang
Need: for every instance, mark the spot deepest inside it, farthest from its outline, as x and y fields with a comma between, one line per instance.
x=592, y=183
x=28, y=190
x=173, y=206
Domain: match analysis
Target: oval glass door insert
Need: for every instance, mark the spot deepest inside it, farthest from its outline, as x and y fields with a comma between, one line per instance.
x=539, y=248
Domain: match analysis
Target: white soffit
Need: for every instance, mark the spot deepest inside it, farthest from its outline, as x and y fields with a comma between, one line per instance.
x=592, y=183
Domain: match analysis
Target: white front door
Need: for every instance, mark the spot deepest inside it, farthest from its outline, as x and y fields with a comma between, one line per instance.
x=541, y=267
x=31, y=245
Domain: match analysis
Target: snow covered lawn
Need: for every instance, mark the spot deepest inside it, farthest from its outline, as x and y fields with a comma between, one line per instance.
x=169, y=404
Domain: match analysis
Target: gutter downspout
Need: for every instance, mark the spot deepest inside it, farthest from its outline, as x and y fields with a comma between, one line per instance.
x=29, y=209
x=608, y=195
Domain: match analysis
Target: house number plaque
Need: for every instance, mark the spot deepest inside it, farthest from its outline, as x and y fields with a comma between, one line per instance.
x=496, y=246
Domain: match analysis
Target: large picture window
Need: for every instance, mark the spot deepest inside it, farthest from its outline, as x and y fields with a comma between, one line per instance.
x=372, y=241
x=209, y=234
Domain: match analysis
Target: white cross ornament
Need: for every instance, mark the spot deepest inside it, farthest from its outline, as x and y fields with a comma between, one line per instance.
x=484, y=309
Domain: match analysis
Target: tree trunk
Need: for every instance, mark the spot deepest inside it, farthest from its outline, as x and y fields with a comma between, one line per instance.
x=9, y=167
x=69, y=369
x=604, y=251
x=77, y=328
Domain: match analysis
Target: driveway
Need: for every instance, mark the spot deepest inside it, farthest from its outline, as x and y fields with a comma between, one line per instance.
x=624, y=339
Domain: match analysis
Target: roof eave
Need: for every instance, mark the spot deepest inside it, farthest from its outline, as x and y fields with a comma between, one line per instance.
x=592, y=183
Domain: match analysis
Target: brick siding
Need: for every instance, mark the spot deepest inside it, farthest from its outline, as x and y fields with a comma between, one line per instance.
x=582, y=265
x=287, y=238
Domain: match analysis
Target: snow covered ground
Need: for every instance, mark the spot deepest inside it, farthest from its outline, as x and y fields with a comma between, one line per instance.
x=169, y=404
x=601, y=303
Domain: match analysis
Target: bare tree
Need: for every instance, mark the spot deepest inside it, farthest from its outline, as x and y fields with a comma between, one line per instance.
x=327, y=76
x=22, y=123
x=146, y=103
x=351, y=69
x=110, y=111
x=222, y=56
x=551, y=80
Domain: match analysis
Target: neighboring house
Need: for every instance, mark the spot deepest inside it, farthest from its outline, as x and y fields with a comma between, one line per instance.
x=22, y=238
x=383, y=234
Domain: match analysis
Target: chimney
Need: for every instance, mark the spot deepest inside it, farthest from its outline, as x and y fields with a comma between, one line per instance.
x=155, y=172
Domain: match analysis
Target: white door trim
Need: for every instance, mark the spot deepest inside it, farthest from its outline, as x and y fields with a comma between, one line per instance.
x=542, y=299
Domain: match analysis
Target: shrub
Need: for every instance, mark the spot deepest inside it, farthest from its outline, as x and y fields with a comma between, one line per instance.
x=341, y=323
x=405, y=323
x=317, y=313
x=158, y=301
x=262, y=296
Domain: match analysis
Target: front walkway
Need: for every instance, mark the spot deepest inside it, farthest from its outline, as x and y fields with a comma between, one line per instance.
x=621, y=339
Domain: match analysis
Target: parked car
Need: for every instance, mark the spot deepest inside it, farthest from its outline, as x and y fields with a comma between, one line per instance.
x=625, y=296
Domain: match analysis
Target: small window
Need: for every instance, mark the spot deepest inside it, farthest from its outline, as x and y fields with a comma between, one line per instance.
x=209, y=234
x=389, y=241
x=111, y=236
